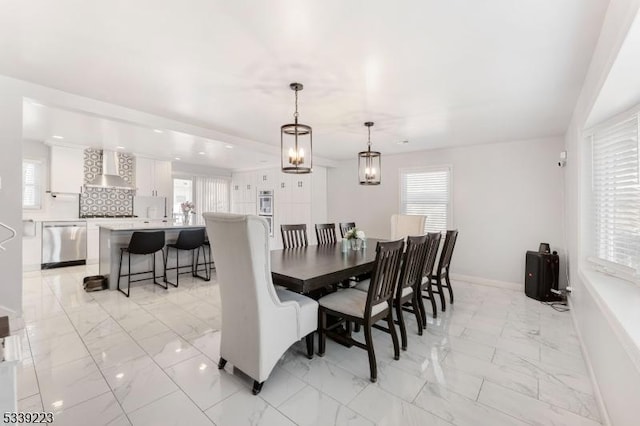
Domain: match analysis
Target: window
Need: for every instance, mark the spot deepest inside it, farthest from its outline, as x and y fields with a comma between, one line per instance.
x=208, y=194
x=427, y=192
x=31, y=184
x=616, y=193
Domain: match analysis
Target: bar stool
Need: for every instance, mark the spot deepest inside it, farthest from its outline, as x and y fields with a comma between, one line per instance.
x=187, y=240
x=208, y=264
x=143, y=243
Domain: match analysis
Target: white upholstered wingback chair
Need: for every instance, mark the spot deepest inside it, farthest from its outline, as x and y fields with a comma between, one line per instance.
x=404, y=225
x=259, y=323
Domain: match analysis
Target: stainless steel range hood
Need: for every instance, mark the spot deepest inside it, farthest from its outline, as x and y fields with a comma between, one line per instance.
x=110, y=178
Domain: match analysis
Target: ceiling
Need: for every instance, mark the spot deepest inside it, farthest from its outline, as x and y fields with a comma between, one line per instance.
x=434, y=73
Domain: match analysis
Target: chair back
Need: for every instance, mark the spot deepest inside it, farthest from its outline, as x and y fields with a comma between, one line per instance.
x=146, y=242
x=294, y=235
x=432, y=254
x=447, y=250
x=326, y=233
x=252, y=324
x=413, y=261
x=346, y=227
x=403, y=225
x=385, y=273
x=190, y=239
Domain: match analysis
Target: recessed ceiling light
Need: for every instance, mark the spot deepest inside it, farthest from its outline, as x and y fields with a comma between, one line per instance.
x=228, y=146
x=403, y=142
x=158, y=131
x=57, y=137
x=178, y=158
x=119, y=147
x=201, y=153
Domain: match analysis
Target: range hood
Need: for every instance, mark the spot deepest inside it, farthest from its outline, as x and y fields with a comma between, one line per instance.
x=110, y=178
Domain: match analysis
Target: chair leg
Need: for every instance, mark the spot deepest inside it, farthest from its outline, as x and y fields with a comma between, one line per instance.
x=441, y=293
x=416, y=311
x=155, y=281
x=120, y=274
x=423, y=313
x=394, y=336
x=129, y=276
x=257, y=387
x=222, y=363
x=373, y=367
x=309, y=339
x=403, y=330
x=322, y=324
x=446, y=277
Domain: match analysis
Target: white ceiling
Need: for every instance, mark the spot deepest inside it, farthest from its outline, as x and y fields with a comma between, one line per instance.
x=435, y=73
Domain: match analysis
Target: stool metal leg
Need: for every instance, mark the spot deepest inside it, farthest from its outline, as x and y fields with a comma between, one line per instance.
x=165, y=286
x=120, y=273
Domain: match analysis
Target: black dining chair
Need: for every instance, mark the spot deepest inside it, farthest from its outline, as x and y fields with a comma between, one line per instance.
x=407, y=290
x=425, y=286
x=442, y=270
x=142, y=243
x=355, y=306
x=294, y=236
x=326, y=233
x=188, y=240
x=346, y=227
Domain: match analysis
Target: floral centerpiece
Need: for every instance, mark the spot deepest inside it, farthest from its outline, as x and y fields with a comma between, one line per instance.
x=355, y=237
x=187, y=209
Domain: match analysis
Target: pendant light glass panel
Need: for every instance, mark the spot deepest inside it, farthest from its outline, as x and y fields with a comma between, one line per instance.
x=369, y=167
x=296, y=143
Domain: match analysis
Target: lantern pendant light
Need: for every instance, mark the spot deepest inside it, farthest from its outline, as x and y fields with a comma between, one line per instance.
x=369, y=163
x=296, y=143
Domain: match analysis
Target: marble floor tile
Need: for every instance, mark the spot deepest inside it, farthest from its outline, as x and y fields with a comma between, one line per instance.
x=201, y=380
x=398, y=382
x=528, y=409
x=57, y=351
x=243, y=408
x=30, y=404
x=460, y=410
x=102, y=410
x=382, y=408
x=167, y=348
x=114, y=349
x=557, y=393
x=471, y=348
x=26, y=378
x=70, y=384
x=174, y=409
x=49, y=328
x=280, y=386
x=310, y=407
x=138, y=382
x=455, y=380
x=208, y=343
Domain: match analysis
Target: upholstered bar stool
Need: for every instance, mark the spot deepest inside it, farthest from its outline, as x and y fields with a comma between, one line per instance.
x=188, y=240
x=142, y=243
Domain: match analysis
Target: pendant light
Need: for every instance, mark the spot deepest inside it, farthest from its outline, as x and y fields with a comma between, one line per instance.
x=369, y=165
x=296, y=143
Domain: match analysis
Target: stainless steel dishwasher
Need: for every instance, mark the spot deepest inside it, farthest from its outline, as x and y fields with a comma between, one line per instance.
x=64, y=244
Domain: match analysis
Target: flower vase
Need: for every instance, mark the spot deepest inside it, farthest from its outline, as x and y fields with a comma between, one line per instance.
x=356, y=243
x=185, y=218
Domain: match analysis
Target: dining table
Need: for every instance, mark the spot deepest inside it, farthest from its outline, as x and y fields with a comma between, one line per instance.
x=310, y=268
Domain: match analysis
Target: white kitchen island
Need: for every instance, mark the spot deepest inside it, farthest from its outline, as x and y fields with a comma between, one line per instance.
x=113, y=237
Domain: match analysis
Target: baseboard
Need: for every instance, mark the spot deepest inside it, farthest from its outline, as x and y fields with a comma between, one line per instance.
x=592, y=375
x=488, y=282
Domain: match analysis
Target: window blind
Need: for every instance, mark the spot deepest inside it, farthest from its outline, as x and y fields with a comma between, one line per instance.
x=427, y=192
x=210, y=195
x=31, y=184
x=616, y=193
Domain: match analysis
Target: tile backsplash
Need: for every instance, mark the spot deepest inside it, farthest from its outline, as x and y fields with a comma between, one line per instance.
x=107, y=201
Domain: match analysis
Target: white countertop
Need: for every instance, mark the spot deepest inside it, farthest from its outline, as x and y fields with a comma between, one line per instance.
x=145, y=226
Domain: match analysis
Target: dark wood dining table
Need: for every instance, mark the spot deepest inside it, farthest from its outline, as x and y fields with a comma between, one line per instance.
x=310, y=268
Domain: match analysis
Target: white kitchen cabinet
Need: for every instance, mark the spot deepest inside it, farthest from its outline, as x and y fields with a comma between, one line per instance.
x=301, y=188
x=267, y=179
x=153, y=178
x=67, y=170
x=93, y=244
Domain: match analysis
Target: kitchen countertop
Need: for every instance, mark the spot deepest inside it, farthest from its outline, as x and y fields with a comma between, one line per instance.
x=145, y=226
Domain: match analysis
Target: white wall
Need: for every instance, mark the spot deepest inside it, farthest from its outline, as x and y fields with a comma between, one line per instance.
x=506, y=200
x=11, y=199
x=611, y=357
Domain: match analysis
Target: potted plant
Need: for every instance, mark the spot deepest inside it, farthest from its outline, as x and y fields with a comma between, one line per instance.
x=187, y=209
x=356, y=238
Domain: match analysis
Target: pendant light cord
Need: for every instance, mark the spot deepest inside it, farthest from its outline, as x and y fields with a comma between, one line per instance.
x=295, y=115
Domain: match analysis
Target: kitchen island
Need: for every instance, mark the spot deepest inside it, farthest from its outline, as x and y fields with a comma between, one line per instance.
x=113, y=237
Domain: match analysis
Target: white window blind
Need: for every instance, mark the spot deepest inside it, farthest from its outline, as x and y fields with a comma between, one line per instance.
x=427, y=192
x=31, y=184
x=616, y=193
x=210, y=194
